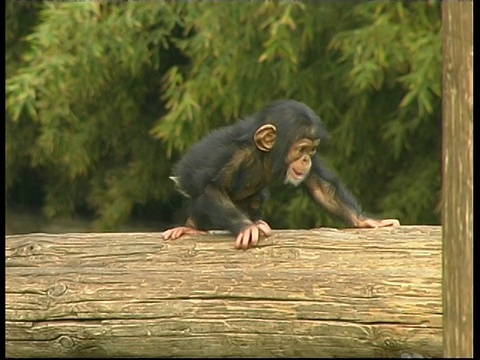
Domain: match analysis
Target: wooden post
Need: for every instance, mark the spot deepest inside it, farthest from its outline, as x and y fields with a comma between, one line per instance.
x=317, y=293
x=458, y=178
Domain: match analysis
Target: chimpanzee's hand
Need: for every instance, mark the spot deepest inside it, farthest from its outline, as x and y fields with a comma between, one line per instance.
x=264, y=227
x=372, y=223
x=249, y=236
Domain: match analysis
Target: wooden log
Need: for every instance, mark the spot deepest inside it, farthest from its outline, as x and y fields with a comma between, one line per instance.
x=315, y=293
x=457, y=178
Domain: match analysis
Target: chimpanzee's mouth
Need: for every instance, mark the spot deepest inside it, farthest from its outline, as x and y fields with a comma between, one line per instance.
x=297, y=174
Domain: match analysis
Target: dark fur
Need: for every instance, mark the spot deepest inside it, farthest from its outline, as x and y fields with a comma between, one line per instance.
x=204, y=160
x=216, y=172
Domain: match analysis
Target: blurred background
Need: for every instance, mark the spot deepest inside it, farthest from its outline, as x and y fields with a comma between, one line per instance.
x=103, y=97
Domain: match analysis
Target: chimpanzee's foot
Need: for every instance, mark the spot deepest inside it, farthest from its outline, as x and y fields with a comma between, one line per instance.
x=175, y=233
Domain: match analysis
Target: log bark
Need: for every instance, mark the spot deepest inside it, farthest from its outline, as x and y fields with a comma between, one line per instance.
x=301, y=293
x=457, y=188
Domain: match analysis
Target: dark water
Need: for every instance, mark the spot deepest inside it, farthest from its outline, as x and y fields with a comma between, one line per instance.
x=24, y=221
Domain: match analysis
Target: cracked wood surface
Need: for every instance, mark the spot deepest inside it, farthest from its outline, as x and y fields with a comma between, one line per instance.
x=301, y=293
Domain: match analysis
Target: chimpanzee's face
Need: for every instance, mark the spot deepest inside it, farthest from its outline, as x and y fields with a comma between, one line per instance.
x=299, y=160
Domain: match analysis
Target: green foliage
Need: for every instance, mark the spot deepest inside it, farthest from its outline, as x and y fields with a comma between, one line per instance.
x=103, y=97
x=85, y=98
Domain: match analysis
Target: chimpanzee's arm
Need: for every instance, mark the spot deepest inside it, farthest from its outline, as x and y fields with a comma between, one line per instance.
x=253, y=205
x=332, y=194
x=221, y=210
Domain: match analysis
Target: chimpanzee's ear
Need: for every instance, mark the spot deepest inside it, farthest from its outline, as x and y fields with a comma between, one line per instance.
x=265, y=137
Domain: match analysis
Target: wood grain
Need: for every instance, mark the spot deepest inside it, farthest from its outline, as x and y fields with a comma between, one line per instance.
x=457, y=178
x=301, y=293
